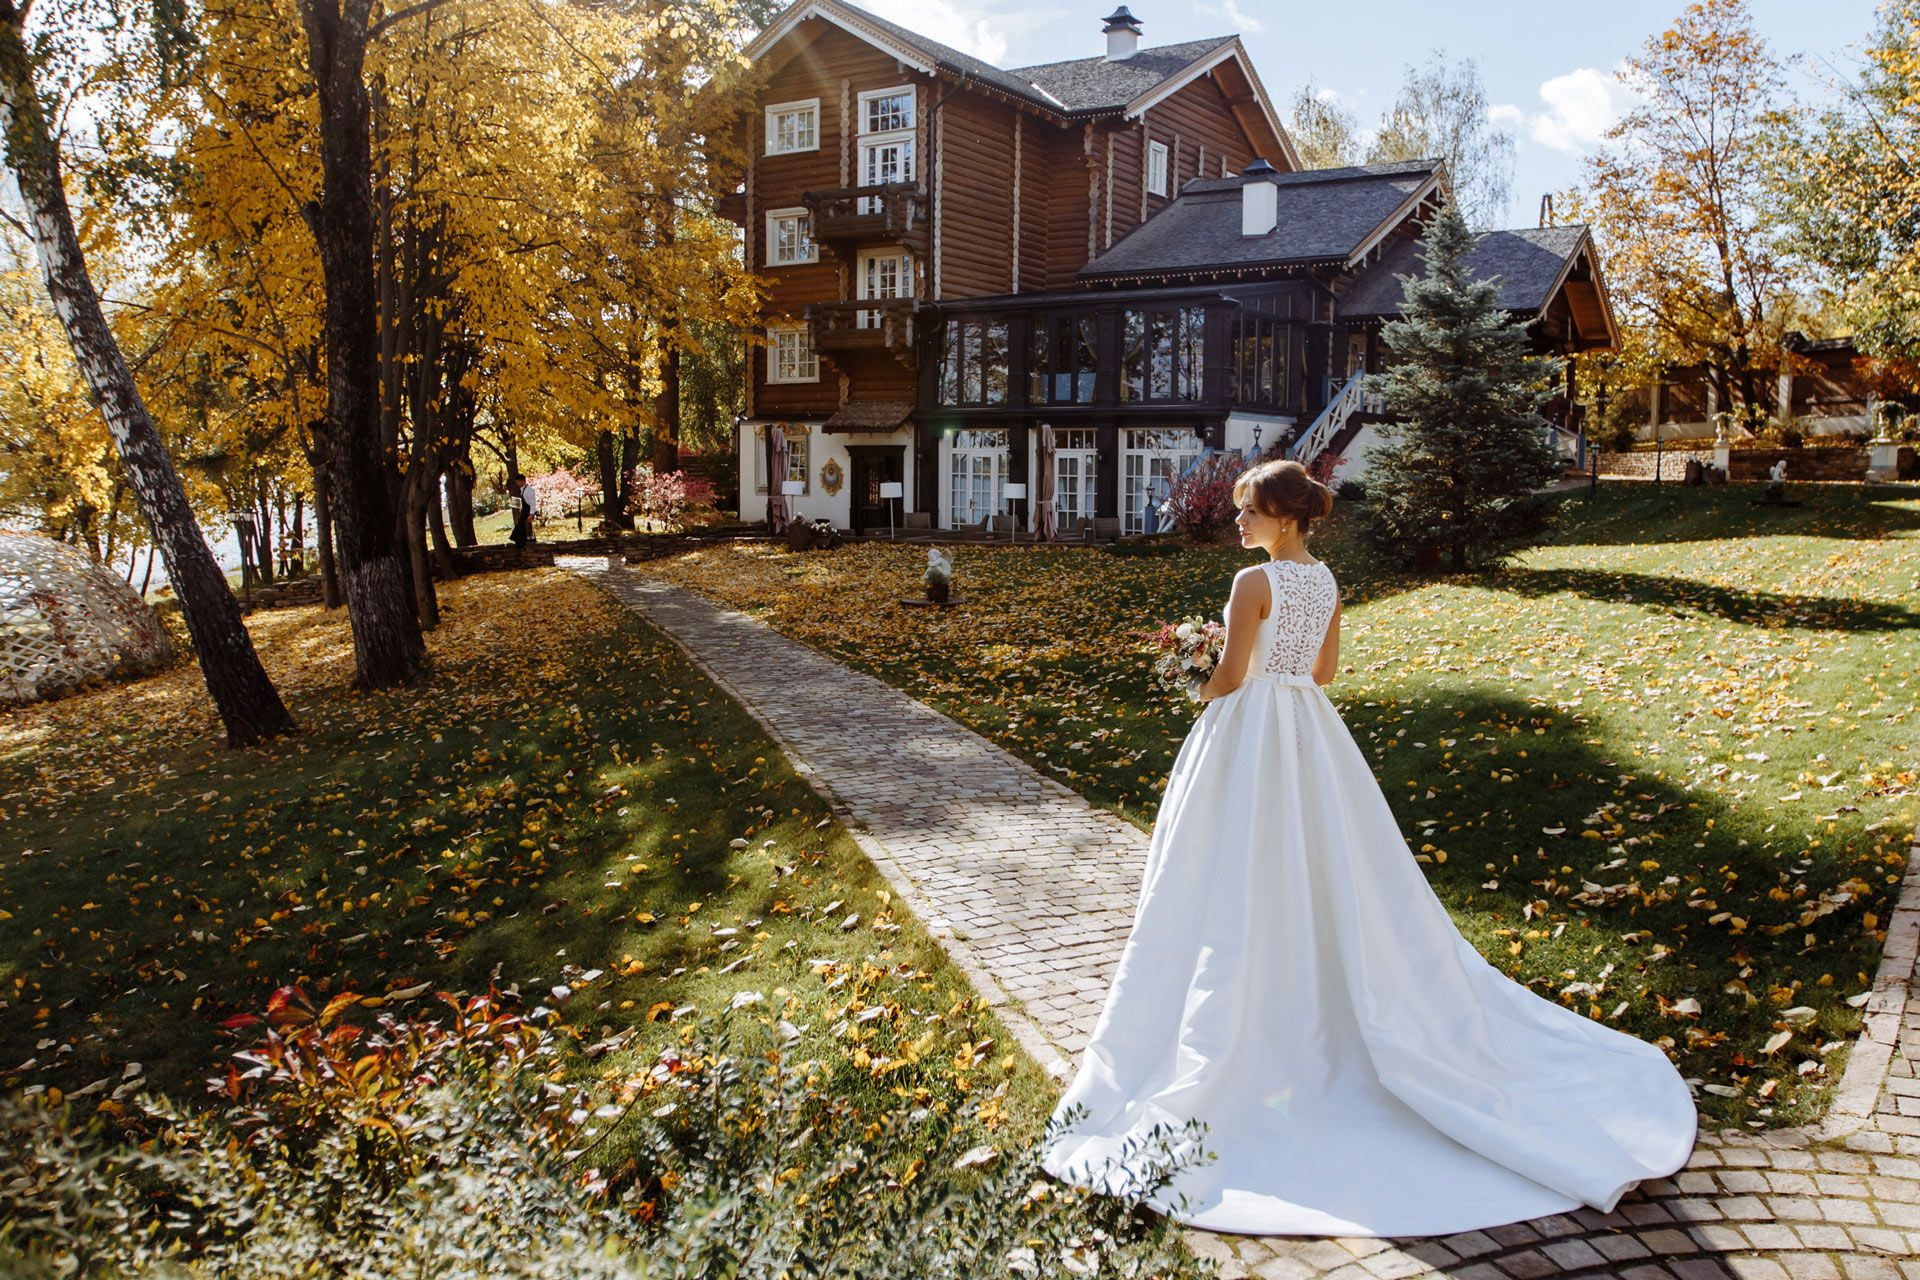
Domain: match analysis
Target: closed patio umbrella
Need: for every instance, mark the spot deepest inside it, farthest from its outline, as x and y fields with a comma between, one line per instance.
x=776, y=476
x=1045, y=522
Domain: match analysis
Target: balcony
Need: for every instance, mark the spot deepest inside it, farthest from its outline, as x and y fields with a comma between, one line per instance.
x=847, y=218
x=842, y=331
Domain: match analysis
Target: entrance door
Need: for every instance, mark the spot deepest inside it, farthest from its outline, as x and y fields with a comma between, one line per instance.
x=874, y=465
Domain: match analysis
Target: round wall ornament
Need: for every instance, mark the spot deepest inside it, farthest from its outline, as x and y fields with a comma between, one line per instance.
x=831, y=477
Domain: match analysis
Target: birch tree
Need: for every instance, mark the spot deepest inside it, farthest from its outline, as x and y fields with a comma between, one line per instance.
x=248, y=704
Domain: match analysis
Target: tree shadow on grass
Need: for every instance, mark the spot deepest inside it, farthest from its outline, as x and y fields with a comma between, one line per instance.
x=1747, y=608
x=1629, y=513
x=381, y=849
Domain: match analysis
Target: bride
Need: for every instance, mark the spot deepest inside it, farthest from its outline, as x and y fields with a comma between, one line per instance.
x=1292, y=981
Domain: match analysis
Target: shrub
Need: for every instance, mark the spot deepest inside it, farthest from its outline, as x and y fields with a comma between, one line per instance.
x=1323, y=467
x=1351, y=491
x=749, y=1148
x=1621, y=439
x=667, y=496
x=1200, y=503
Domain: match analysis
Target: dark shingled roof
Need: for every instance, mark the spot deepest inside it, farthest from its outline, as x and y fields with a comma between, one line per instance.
x=1087, y=84
x=945, y=55
x=1527, y=263
x=870, y=415
x=1323, y=214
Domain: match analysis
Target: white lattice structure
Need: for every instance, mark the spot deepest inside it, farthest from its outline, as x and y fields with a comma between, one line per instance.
x=64, y=620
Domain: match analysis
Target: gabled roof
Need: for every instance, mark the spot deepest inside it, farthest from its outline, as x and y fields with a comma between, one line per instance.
x=1089, y=84
x=1325, y=215
x=1082, y=87
x=1529, y=264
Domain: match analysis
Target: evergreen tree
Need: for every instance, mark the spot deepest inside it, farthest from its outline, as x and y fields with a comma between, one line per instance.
x=1467, y=445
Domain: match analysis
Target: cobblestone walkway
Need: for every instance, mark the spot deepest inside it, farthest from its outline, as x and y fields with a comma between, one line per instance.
x=1032, y=891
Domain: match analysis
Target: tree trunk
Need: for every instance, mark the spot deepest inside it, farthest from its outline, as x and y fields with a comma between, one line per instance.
x=248, y=704
x=387, y=643
x=330, y=593
x=609, y=479
x=460, y=503
x=666, y=418
x=426, y=602
x=629, y=459
x=437, y=529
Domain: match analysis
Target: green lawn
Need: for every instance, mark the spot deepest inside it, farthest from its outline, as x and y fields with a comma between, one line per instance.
x=1666, y=757
x=568, y=803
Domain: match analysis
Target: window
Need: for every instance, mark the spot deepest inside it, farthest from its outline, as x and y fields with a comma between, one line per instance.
x=886, y=140
x=973, y=363
x=885, y=273
x=1260, y=359
x=1155, y=458
x=1163, y=354
x=796, y=434
x=1157, y=168
x=790, y=355
x=1062, y=358
x=793, y=126
x=886, y=110
x=790, y=237
x=979, y=482
x=1074, y=460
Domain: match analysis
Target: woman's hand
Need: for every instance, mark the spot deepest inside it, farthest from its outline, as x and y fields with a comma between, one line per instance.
x=1248, y=603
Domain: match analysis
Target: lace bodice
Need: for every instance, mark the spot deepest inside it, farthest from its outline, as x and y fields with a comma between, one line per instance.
x=1304, y=597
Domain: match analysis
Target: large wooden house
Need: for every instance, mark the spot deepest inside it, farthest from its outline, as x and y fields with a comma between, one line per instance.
x=1123, y=246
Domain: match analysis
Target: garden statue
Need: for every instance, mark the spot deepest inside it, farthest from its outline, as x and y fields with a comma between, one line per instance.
x=939, y=575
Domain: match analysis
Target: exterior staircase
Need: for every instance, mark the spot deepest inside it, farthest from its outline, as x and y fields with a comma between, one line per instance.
x=1330, y=429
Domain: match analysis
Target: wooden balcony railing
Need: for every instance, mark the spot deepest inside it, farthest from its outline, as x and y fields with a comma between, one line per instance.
x=881, y=325
x=888, y=213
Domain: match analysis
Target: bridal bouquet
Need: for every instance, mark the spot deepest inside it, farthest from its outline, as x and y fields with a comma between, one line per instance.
x=1188, y=651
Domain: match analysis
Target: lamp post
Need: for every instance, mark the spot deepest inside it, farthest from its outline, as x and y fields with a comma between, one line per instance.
x=1600, y=416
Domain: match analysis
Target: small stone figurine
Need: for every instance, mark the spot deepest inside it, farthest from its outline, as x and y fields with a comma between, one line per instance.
x=939, y=575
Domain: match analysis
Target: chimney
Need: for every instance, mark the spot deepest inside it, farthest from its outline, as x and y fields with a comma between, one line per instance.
x=1259, y=199
x=1123, y=35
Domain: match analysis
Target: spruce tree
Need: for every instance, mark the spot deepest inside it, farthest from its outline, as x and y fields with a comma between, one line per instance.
x=1466, y=445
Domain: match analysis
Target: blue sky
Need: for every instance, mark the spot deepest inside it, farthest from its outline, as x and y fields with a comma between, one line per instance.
x=1548, y=69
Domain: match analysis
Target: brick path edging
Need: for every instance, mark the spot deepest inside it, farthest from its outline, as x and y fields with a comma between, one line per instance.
x=1837, y=1200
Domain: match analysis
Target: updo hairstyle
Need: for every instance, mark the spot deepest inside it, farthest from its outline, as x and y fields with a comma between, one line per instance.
x=1281, y=488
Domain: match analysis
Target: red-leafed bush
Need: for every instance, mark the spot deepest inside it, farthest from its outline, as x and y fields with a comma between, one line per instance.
x=667, y=496
x=1200, y=504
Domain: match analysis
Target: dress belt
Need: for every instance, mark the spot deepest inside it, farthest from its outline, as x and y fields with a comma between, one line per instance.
x=1297, y=678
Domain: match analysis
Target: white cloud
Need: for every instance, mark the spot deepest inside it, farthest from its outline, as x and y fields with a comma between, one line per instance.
x=1244, y=23
x=1578, y=109
x=987, y=32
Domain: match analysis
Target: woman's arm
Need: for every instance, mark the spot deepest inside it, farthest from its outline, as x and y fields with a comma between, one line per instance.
x=1245, y=605
x=1328, y=663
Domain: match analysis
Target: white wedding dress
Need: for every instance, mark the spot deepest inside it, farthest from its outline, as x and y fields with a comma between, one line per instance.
x=1292, y=980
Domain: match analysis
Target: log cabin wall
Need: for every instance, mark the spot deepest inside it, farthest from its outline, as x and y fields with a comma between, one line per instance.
x=1198, y=129
x=974, y=165
x=820, y=61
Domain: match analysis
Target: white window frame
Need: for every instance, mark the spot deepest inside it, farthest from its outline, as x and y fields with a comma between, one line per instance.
x=776, y=216
x=776, y=109
x=774, y=334
x=798, y=455
x=1157, y=168
x=978, y=458
x=862, y=288
x=910, y=92
x=1149, y=455
x=1078, y=446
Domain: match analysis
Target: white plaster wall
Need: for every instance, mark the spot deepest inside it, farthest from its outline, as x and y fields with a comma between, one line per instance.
x=1239, y=432
x=817, y=503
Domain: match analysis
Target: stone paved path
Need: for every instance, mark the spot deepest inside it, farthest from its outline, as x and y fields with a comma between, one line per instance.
x=1032, y=891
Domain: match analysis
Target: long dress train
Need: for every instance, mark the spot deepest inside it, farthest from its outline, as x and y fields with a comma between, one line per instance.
x=1292, y=980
